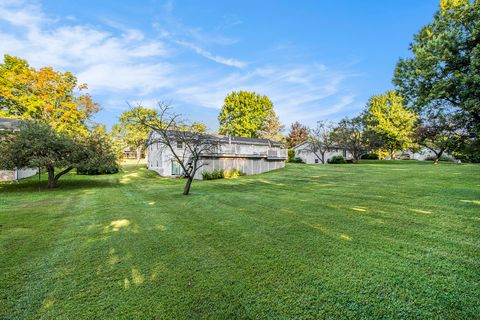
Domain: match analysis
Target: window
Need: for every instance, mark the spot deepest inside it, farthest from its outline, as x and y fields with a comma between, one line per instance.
x=179, y=144
x=344, y=153
x=175, y=168
x=316, y=160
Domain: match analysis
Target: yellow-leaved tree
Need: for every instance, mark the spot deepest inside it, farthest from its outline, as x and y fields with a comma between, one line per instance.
x=45, y=95
x=388, y=118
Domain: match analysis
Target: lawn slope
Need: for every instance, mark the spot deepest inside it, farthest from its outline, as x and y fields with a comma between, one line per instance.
x=393, y=239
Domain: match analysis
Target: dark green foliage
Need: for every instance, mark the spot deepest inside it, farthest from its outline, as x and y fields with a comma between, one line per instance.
x=469, y=151
x=213, y=175
x=337, y=160
x=291, y=155
x=97, y=169
x=103, y=156
x=370, y=156
x=37, y=145
x=297, y=160
x=442, y=158
x=443, y=73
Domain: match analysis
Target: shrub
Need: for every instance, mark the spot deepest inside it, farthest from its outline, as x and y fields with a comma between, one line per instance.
x=336, y=160
x=370, y=156
x=442, y=158
x=291, y=155
x=296, y=160
x=215, y=174
x=95, y=169
x=235, y=173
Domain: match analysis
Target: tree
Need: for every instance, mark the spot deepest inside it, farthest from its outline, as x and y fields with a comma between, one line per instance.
x=352, y=135
x=298, y=134
x=272, y=128
x=169, y=130
x=244, y=114
x=440, y=133
x=443, y=73
x=391, y=121
x=321, y=140
x=37, y=145
x=132, y=133
x=103, y=159
x=45, y=95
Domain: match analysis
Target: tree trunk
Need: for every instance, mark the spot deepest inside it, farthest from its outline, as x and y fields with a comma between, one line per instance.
x=186, y=190
x=392, y=155
x=53, y=179
x=139, y=154
x=437, y=156
x=52, y=182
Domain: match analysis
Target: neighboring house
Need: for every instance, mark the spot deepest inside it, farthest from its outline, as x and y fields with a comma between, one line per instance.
x=131, y=153
x=422, y=155
x=302, y=151
x=18, y=173
x=249, y=155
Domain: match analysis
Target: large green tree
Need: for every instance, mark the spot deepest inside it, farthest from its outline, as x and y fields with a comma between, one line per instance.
x=131, y=133
x=45, y=95
x=440, y=133
x=443, y=73
x=352, y=135
x=246, y=114
x=388, y=118
x=37, y=145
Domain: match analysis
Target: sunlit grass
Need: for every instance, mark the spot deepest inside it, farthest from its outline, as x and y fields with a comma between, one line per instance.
x=395, y=239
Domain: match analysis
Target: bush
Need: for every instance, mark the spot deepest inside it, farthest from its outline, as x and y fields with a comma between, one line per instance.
x=220, y=174
x=442, y=158
x=94, y=169
x=336, y=160
x=296, y=160
x=291, y=155
x=370, y=156
x=215, y=174
x=235, y=173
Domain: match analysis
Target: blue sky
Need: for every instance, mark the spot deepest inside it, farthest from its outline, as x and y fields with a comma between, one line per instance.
x=316, y=60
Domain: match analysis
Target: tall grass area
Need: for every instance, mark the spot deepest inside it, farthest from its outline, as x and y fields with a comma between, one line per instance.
x=396, y=239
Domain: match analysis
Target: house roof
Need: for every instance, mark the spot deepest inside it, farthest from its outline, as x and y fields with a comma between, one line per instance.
x=300, y=144
x=241, y=140
x=336, y=146
x=8, y=123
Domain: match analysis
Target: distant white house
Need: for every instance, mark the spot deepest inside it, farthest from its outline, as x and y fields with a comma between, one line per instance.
x=7, y=124
x=249, y=155
x=303, y=152
x=422, y=155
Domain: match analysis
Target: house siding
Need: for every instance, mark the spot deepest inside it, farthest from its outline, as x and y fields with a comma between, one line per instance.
x=309, y=157
x=11, y=175
x=250, y=158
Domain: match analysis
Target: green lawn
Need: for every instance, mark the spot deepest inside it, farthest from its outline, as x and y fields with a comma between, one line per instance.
x=396, y=239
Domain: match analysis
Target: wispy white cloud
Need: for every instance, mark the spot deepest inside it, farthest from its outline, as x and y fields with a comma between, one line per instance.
x=206, y=54
x=122, y=63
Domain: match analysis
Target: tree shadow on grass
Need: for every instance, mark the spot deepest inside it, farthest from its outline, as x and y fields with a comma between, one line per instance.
x=70, y=183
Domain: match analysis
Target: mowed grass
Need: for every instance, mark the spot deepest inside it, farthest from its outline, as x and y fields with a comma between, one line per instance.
x=397, y=239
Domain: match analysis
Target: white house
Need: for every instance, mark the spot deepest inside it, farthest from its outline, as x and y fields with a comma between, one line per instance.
x=249, y=155
x=18, y=173
x=423, y=154
x=302, y=151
